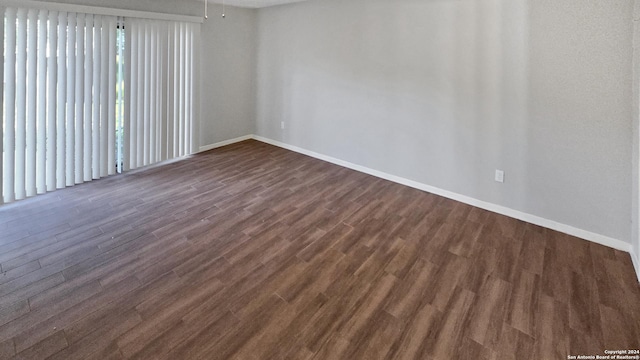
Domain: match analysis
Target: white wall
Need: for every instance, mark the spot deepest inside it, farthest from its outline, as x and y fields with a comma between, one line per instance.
x=445, y=92
x=228, y=59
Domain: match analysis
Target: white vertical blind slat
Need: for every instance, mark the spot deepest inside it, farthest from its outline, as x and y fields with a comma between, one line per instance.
x=171, y=102
x=155, y=147
x=62, y=100
x=161, y=87
x=8, y=172
x=97, y=83
x=32, y=102
x=155, y=90
x=187, y=145
x=128, y=89
x=41, y=120
x=196, y=87
x=52, y=102
x=133, y=96
x=21, y=104
x=164, y=103
x=147, y=92
x=111, y=128
x=72, y=58
x=153, y=60
x=139, y=120
x=88, y=100
x=123, y=91
x=189, y=107
x=181, y=92
x=79, y=95
x=176, y=94
x=104, y=98
x=71, y=100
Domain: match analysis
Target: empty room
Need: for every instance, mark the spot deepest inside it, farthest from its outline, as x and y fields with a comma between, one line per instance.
x=320, y=179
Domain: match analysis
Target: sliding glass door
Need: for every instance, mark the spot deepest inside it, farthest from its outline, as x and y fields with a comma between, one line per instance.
x=88, y=96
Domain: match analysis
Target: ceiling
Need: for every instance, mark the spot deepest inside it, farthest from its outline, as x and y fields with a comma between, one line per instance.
x=254, y=3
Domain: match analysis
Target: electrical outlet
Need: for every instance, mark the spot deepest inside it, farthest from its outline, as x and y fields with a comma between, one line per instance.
x=500, y=176
x=282, y=125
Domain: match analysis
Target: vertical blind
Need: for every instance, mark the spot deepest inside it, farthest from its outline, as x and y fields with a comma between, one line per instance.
x=86, y=96
x=52, y=103
x=159, y=83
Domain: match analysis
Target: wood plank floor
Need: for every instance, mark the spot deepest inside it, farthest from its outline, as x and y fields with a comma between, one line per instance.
x=254, y=252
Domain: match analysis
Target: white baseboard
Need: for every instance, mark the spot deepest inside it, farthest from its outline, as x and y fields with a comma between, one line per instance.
x=225, y=143
x=533, y=219
x=567, y=229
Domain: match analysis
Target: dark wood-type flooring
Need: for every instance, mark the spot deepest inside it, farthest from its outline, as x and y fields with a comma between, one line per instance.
x=255, y=252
